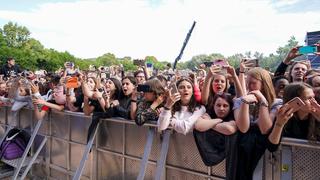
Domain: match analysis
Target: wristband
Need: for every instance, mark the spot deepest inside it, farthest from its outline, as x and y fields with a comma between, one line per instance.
x=264, y=104
x=244, y=101
x=134, y=101
x=242, y=72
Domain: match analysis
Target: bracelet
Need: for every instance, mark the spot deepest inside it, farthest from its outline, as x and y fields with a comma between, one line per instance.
x=244, y=101
x=166, y=108
x=264, y=104
x=242, y=72
x=132, y=100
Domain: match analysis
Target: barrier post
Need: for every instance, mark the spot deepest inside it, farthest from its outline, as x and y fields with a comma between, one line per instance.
x=163, y=154
x=146, y=154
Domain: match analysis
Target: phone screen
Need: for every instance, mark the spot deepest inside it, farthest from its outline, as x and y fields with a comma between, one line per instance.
x=307, y=49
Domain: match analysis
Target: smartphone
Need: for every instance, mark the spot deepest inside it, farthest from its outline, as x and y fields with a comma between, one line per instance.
x=308, y=49
x=220, y=62
x=250, y=63
x=143, y=88
x=173, y=88
x=208, y=63
x=72, y=82
x=296, y=104
x=139, y=62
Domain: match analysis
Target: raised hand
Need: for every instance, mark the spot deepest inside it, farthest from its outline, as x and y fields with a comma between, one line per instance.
x=293, y=53
x=172, y=99
x=283, y=115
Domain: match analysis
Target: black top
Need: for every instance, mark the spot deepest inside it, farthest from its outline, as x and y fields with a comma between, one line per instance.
x=79, y=101
x=122, y=110
x=297, y=128
x=96, y=105
x=251, y=147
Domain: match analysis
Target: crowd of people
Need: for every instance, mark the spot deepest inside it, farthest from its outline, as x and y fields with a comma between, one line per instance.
x=233, y=113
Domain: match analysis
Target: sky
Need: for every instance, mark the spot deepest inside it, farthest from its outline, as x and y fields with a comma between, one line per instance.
x=139, y=28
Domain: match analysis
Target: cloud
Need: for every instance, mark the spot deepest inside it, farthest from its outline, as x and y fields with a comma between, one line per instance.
x=139, y=28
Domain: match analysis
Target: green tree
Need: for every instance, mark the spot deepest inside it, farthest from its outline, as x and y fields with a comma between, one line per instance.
x=107, y=59
x=14, y=35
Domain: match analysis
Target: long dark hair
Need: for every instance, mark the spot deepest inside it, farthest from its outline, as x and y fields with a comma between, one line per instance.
x=294, y=90
x=118, y=87
x=192, y=104
x=227, y=97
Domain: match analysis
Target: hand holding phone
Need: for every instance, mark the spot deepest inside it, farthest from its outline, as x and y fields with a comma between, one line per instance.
x=173, y=88
x=250, y=63
x=221, y=62
x=72, y=82
x=296, y=104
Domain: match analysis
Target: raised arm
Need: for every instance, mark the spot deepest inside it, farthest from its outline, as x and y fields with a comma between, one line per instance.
x=237, y=84
x=206, y=86
x=241, y=113
x=283, y=115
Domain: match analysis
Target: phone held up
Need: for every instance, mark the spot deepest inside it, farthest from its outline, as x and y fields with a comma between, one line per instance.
x=139, y=62
x=173, y=88
x=143, y=88
x=309, y=49
x=296, y=104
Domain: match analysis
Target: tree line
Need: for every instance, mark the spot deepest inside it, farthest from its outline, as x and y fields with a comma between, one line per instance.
x=29, y=53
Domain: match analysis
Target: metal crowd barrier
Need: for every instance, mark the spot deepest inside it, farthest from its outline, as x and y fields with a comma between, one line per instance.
x=119, y=147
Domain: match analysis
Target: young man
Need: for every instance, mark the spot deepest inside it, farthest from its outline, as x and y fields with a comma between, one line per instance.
x=10, y=69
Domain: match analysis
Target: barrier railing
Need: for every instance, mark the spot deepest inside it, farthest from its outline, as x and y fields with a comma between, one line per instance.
x=119, y=147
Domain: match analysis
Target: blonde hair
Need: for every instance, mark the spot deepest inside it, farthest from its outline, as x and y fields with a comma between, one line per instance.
x=267, y=87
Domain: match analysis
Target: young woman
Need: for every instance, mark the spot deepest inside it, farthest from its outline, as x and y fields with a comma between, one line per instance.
x=92, y=101
x=112, y=91
x=219, y=116
x=305, y=123
x=254, y=115
x=149, y=107
x=122, y=106
x=217, y=82
x=181, y=109
x=213, y=133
